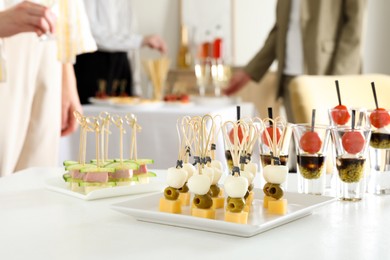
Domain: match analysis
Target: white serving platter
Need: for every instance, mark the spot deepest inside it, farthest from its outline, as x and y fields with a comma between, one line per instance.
x=259, y=220
x=59, y=185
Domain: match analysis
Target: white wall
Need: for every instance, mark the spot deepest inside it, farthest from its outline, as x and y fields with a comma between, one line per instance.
x=253, y=21
x=376, y=53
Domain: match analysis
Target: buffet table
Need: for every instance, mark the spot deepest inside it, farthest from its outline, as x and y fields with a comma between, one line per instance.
x=36, y=223
x=158, y=138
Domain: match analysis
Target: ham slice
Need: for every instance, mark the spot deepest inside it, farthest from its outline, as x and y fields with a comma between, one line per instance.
x=96, y=177
x=142, y=169
x=121, y=174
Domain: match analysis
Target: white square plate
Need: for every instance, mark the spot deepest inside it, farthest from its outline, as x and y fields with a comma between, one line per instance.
x=59, y=185
x=146, y=209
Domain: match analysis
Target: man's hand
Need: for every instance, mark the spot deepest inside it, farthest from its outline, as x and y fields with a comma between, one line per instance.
x=237, y=82
x=70, y=100
x=27, y=17
x=155, y=42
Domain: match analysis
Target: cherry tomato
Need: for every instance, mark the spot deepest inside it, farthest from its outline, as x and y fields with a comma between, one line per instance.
x=353, y=142
x=271, y=135
x=379, y=118
x=185, y=98
x=310, y=142
x=340, y=115
x=240, y=135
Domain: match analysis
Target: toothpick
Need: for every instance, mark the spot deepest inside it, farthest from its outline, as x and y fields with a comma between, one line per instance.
x=118, y=121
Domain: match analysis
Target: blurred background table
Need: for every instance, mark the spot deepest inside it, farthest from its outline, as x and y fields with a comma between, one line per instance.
x=158, y=138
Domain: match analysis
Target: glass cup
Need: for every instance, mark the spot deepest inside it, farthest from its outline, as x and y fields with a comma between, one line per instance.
x=351, y=148
x=220, y=74
x=379, y=152
x=338, y=117
x=284, y=131
x=203, y=74
x=343, y=118
x=311, y=145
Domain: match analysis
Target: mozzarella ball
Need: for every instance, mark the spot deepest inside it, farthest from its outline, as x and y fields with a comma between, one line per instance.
x=276, y=174
x=248, y=175
x=217, y=175
x=251, y=167
x=176, y=177
x=216, y=164
x=199, y=184
x=236, y=186
x=190, y=169
x=208, y=171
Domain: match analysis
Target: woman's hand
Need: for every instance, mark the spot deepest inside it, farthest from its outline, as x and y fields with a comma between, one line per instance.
x=237, y=82
x=27, y=17
x=70, y=100
x=155, y=42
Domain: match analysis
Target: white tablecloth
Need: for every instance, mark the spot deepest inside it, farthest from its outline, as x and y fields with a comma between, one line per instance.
x=158, y=138
x=36, y=223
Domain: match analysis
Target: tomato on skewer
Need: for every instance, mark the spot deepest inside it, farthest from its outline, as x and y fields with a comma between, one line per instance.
x=379, y=118
x=240, y=135
x=340, y=115
x=270, y=131
x=310, y=142
x=353, y=142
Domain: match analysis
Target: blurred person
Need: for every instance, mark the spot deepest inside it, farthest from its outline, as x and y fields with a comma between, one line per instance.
x=321, y=37
x=112, y=24
x=38, y=92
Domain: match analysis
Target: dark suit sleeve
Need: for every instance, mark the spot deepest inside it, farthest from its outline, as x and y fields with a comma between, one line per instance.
x=261, y=62
x=348, y=53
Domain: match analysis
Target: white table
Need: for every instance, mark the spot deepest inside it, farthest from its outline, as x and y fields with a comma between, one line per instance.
x=158, y=138
x=36, y=223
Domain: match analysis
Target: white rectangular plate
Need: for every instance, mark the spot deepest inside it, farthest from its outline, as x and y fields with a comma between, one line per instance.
x=259, y=220
x=59, y=185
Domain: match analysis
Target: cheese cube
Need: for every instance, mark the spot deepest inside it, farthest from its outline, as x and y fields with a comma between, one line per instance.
x=185, y=197
x=218, y=203
x=249, y=199
x=266, y=201
x=278, y=207
x=240, y=218
x=203, y=213
x=170, y=206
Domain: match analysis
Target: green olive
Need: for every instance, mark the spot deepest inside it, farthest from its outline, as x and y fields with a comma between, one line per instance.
x=250, y=188
x=266, y=187
x=275, y=191
x=214, y=191
x=171, y=193
x=235, y=205
x=184, y=189
x=202, y=201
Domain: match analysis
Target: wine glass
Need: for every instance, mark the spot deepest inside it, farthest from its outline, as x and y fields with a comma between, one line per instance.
x=203, y=74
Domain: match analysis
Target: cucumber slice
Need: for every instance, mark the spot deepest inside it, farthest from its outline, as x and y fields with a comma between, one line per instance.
x=97, y=169
x=105, y=161
x=78, y=166
x=123, y=166
x=148, y=174
x=67, y=177
x=142, y=161
x=69, y=162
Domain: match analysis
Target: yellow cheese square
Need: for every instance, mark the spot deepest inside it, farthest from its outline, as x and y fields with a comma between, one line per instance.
x=185, y=198
x=170, y=206
x=203, y=213
x=218, y=203
x=266, y=201
x=278, y=207
x=240, y=217
x=249, y=199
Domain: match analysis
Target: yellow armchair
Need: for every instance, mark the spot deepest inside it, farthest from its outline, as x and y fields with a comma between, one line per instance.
x=319, y=92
